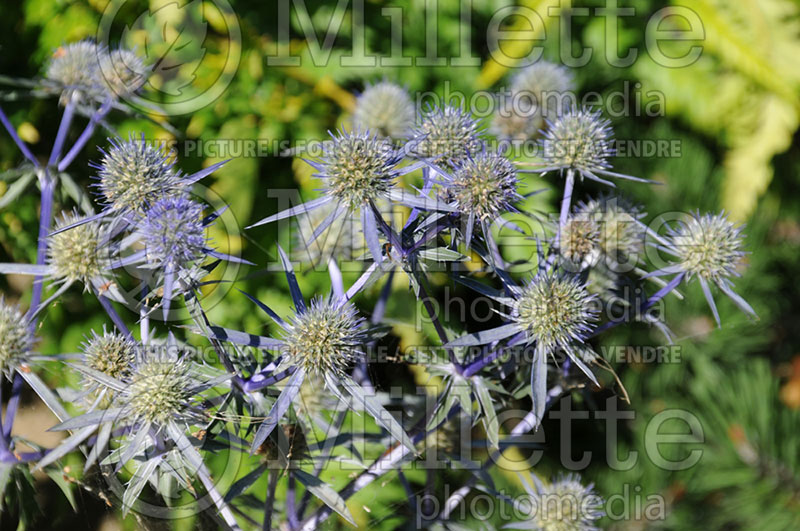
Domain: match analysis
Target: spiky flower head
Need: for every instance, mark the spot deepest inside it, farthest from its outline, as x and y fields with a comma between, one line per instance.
x=133, y=174
x=709, y=246
x=159, y=390
x=122, y=72
x=537, y=92
x=16, y=340
x=173, y=231
x=555, y=309
x=566, y=505
x=358, y=167
x=622, y=234
x=75, y=67
x=484, y=184
x=111, y=354
x=447, y=134
x=580, y=239
x=75, y=254
x=384, y=109
x=578, y=140
x=325, y=339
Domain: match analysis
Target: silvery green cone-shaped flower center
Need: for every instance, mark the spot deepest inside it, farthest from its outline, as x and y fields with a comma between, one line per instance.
x=555, y=310
x=112, y=354
x=15, y=340
x=709, y=246
x=158, y=391
x=326, y=339
x=578, y=140
x=566, y=505
x=75, y=67
x=134, y=174
x=385, y=109
x=447, y=134
x=122, y=71
x=485, y=185
x=74, y=254
x=359, y=169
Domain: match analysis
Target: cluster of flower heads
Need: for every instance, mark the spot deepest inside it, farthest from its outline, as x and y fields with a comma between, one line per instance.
x=143, y=401
x=89, y=72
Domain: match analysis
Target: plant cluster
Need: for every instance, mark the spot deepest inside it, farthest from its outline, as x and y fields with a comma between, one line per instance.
x=152, y=414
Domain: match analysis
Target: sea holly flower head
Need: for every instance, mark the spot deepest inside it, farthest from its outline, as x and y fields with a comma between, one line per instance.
x=16, y=340
x=622, y=234
x=160, y=391
x=74, y=66
x=555, y=309
x=111, y=354
x=358, y=168
x=173, y=232
x=447, y=134
x=708, y=246
x=122, y=71
x=133, y=174
x=326, y=339
x=75, y=254
x=578, y=140
x=565, y=504
x=580, y=240
x=385, y=109
x=484, y=185
x=537, y=92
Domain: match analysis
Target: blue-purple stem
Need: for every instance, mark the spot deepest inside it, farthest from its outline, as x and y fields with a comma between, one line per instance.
x=17, y=140
x=61, y=136
x=269, y=378
x=477, y=365
x=85, y=136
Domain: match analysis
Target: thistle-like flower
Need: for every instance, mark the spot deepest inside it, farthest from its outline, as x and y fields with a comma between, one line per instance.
x=173, y=232
x=91, y=72
x=384, y=109
x=622, y=233
x=122, y=71
x=580, y=141
x=555, y=310
x=483, y=187
x=563, y=505
x=580, y=241
x=708, y=247
x=133, y=174
x=160, y=391
x=537, y=92
x=358, y=168
x=447, y=134
x=326, y=339
x=76, y=254
x=75, y=67
x=16, y=340
x=111, y=354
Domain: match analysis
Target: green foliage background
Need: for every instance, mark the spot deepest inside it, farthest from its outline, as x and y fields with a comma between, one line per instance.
x=735, y=113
